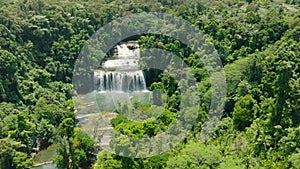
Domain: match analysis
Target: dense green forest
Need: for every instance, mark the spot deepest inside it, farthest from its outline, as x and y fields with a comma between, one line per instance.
x=258, y=42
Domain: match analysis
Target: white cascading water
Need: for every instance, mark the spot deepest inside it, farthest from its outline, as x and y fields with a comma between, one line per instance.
x=120, y=81
x=121, y=64
x=125, y=52
x=126, y=76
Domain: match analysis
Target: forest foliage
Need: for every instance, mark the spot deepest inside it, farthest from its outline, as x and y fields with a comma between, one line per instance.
x=258, y=42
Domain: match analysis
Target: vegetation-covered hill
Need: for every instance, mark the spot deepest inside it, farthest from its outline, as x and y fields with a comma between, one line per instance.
x=257, y=41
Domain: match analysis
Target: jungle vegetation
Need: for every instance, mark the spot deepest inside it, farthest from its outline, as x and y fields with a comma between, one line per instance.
x=258, y=42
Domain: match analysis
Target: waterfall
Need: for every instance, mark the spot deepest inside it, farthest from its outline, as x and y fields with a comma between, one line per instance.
x=120, y=81
x=121, y=64
x=126, y=76
x=128, y=50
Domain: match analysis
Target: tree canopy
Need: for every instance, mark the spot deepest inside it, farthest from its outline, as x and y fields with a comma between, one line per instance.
x=258, y=42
